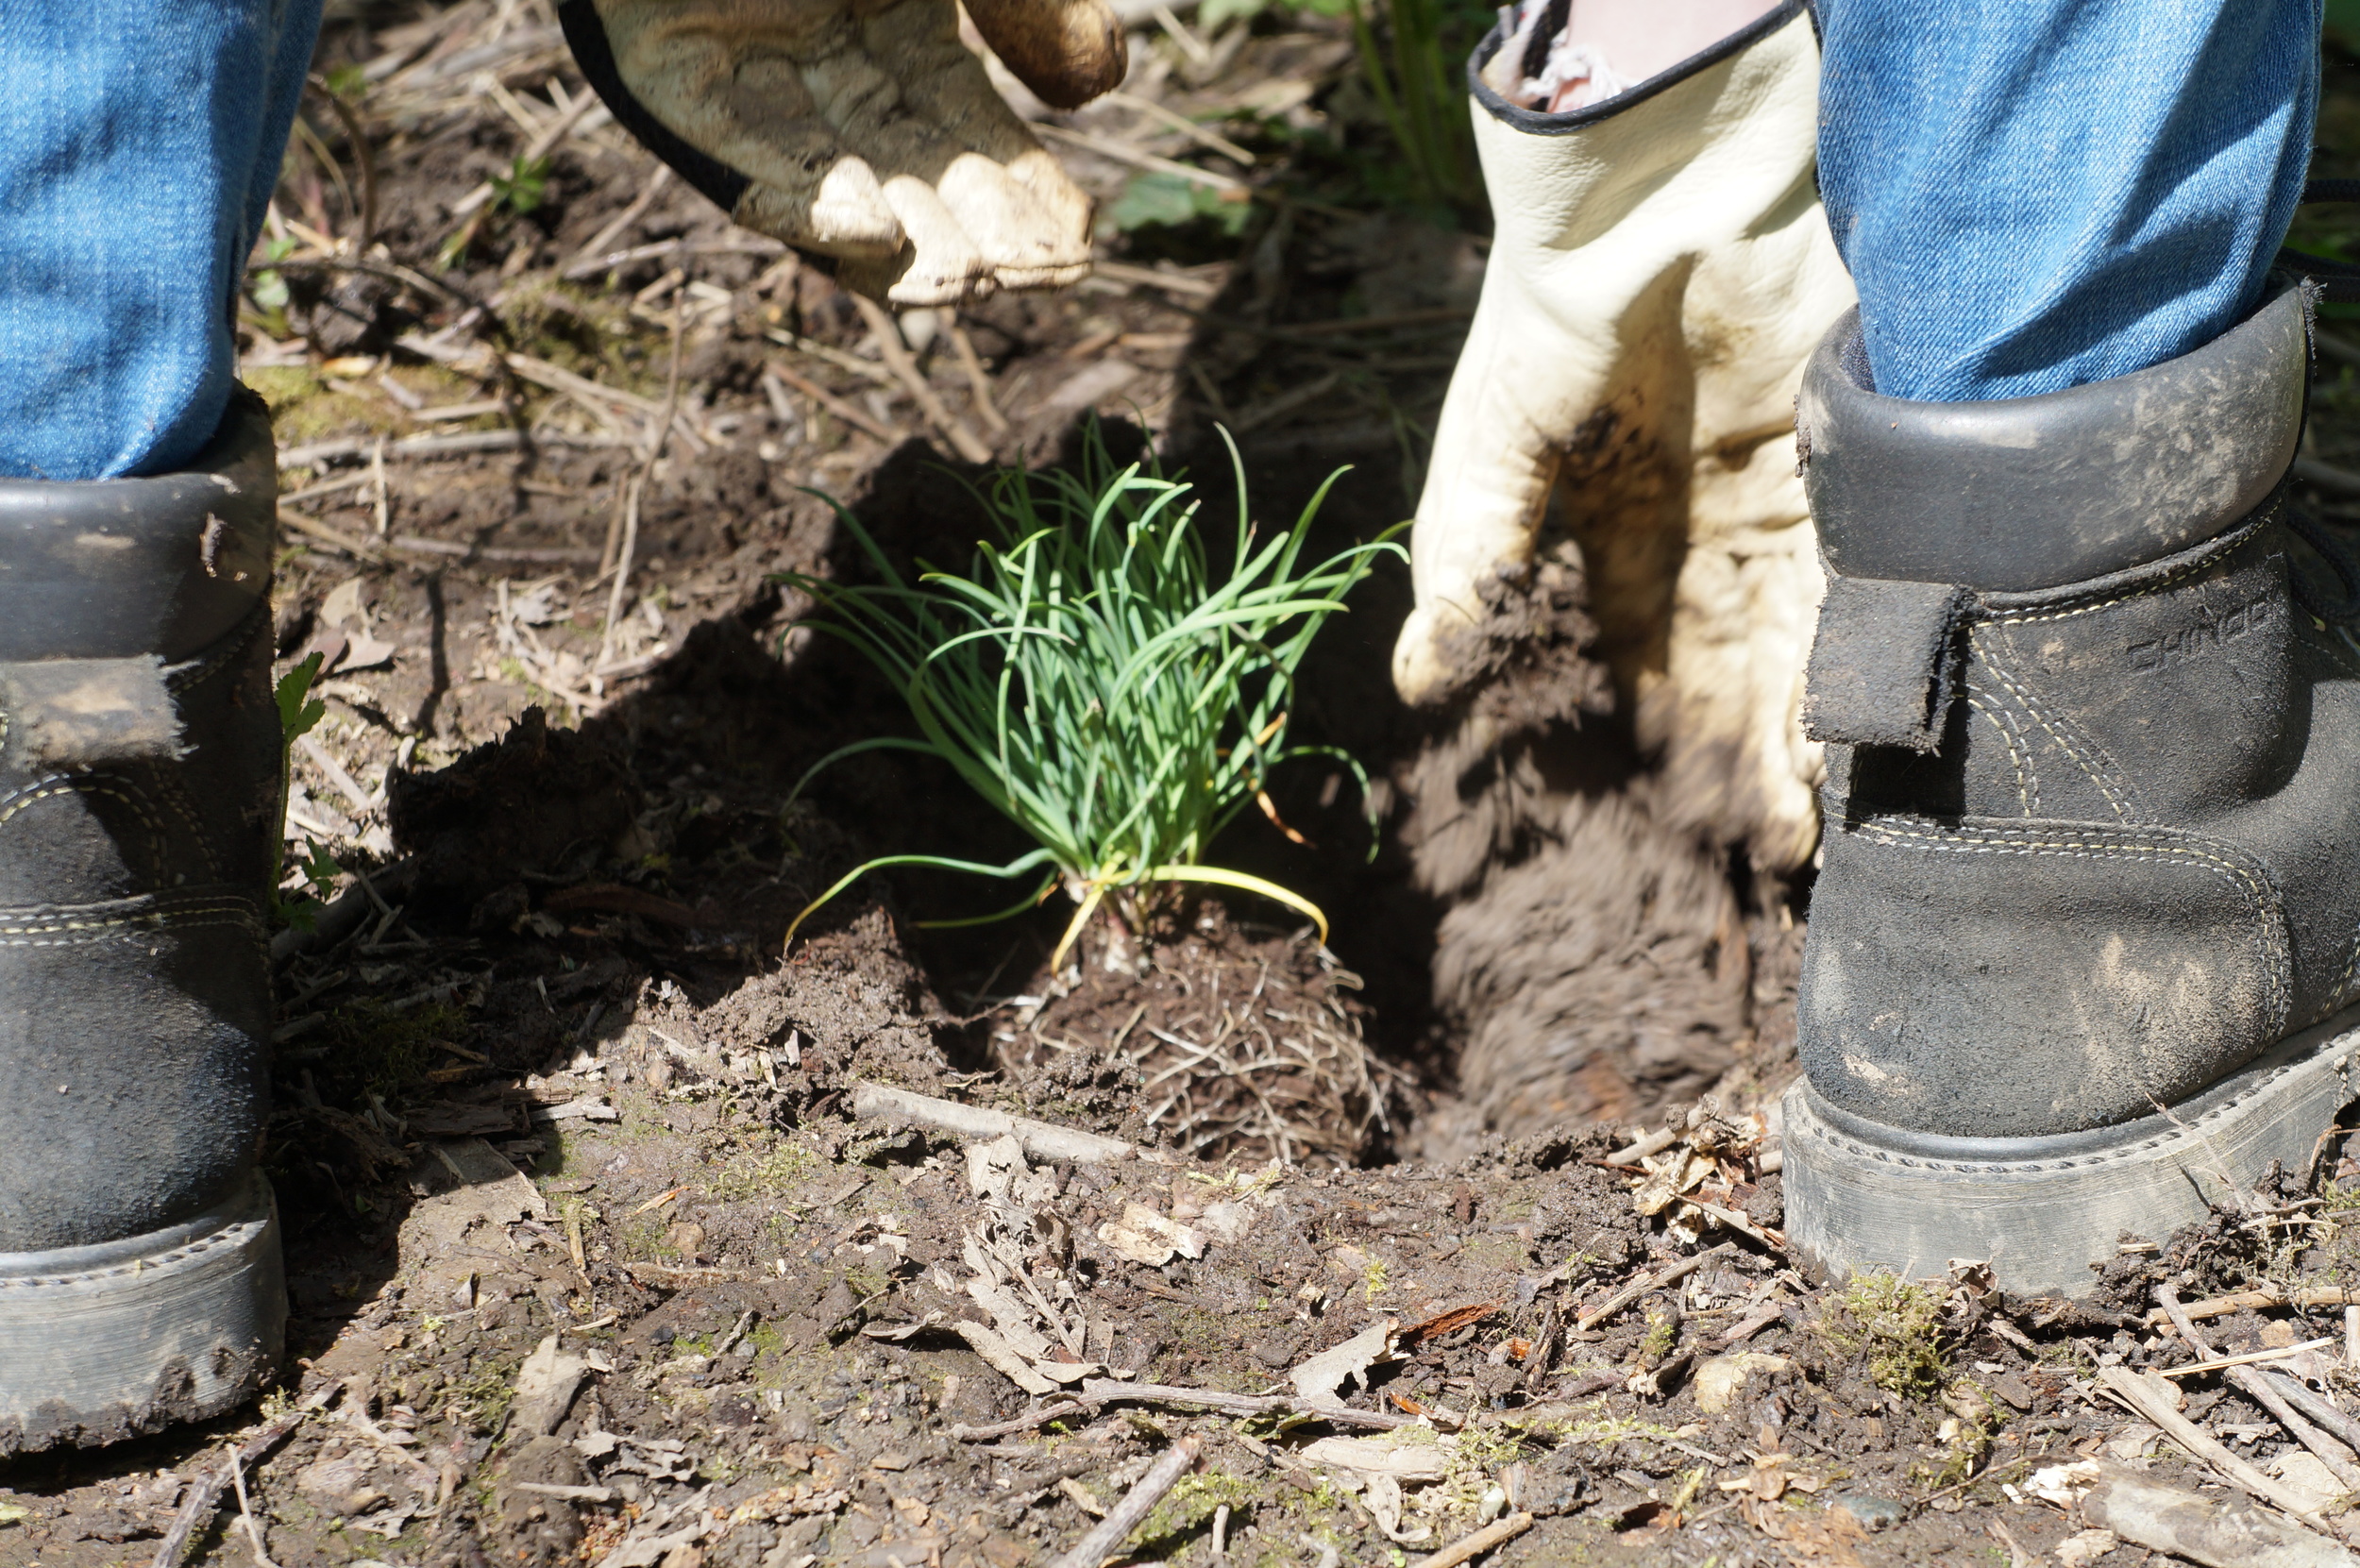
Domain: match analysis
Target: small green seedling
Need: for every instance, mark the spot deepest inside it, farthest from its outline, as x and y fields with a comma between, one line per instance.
x=524, y=187
x=1099, y=679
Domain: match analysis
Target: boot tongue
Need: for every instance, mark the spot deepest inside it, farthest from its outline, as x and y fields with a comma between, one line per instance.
x=2023, y=494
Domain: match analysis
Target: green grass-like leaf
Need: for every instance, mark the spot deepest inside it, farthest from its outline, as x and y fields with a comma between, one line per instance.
x=1106, y=682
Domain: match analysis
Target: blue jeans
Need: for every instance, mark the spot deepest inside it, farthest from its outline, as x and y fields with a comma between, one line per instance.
x=2032, y=195
x=139, y=148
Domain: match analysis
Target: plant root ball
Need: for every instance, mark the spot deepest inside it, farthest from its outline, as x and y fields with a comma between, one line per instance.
x=1222, y=1039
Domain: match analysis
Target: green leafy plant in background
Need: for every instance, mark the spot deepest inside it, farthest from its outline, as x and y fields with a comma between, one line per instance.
x=1412, y=57
x=1157, y=197
x=1098, y=680
x=266, y=287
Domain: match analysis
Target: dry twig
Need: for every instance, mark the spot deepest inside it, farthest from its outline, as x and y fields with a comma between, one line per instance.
x=636, y=489
x=205, y=1492
x=246, y=1514
x=2146, y=1513
x=2221, y=1306
x=2154, y=1405
x=1040, y=1140
x=2254, y=1382
x=898, y=361
x=1127, y=1516
x=838, y=406
x=1469, y=1547
x=1639, y=1286
x=978, y=380
x=1110, y=1392
x=1030, y=1421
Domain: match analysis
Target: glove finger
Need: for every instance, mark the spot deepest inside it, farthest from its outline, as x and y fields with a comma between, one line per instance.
x=1066, y=50
x=979, y=221
x=1025, y=245
x=811, y=187
x=941, y=265
x=1032, y=221
x=1487, y=484
x=1066, y=204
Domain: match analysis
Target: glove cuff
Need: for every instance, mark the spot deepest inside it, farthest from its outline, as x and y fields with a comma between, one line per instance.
x=1539, y=124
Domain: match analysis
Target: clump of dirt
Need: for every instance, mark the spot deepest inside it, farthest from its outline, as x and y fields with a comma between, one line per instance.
x=1595, y=962
x=1225, y=1042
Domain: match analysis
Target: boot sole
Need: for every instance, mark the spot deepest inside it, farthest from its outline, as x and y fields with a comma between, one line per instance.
x=98, y=1344
x=2043, y=1212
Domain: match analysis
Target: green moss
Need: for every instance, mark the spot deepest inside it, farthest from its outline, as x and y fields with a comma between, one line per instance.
x=305, y=407
x=1970, y=1446
x=1896, y=1327
x=1191, y=1505
x=484, y=1391
x=1195, y=1334
x=762, y=1171
x=642, y=1237
x=1663, y=1331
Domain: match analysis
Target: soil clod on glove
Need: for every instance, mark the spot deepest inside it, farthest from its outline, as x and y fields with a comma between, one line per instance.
x=863, y=132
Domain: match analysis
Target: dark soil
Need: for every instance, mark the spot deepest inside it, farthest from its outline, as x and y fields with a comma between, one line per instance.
x=551, y=1087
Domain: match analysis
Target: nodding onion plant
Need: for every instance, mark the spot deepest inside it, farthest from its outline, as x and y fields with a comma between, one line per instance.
x=1098, y=680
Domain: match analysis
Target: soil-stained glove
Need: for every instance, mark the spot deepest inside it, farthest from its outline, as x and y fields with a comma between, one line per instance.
x=1661, y=271
x=864, y=129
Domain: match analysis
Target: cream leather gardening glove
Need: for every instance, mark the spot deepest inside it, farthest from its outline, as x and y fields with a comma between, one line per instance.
x=1660, y=273
x=864, y=129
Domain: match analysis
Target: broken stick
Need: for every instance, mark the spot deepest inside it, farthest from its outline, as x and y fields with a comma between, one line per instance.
x=2256, y=1383
x=1107, y=1390
x=1638, y=1288
x=1040, y=1140
x=2146, y=1513
x=2154, y=1405
x=1029, y=1422
x=205, y=1492
x=1127, y=1515
x=1469, y=1547
x=2220, y=1307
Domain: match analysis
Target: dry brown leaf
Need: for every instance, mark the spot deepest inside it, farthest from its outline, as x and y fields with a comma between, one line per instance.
x=1132, y=1244
x=1317, y=1379
x=546, y=1386
x=1450, y=1322
x=1144, y=1221
x=993, y=1348
x=1669, y=1174
x=1404, y=1461
x=1720, y=1380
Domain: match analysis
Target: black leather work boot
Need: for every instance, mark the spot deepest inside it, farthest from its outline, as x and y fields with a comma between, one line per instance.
x=140, y=1278
x=2090, y=906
